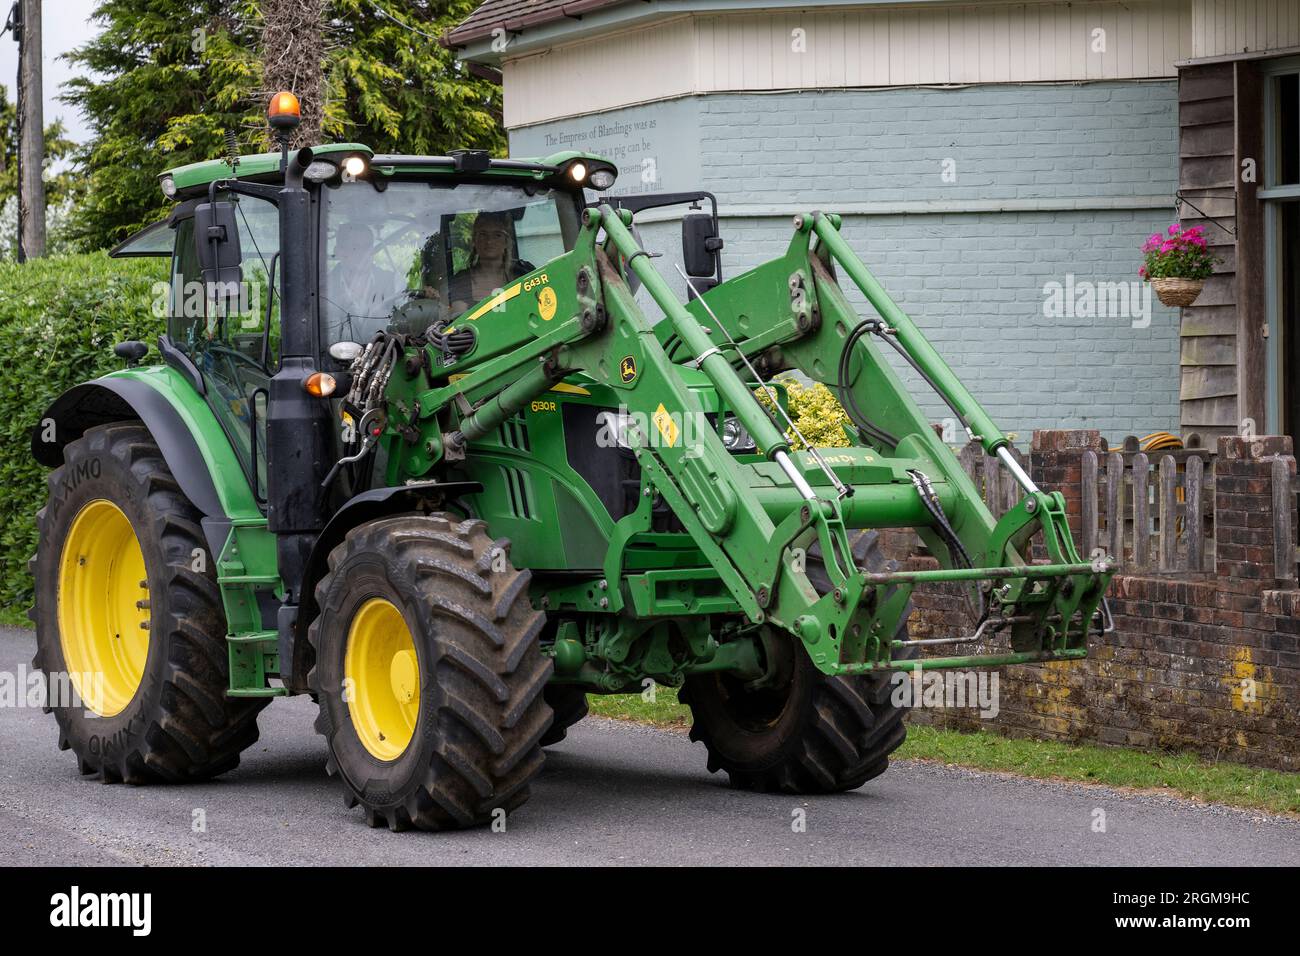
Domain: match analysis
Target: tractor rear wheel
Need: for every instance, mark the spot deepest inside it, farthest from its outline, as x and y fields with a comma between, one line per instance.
x=569, y=704
x=130, y=631
x=429, y=673
x=806, y=732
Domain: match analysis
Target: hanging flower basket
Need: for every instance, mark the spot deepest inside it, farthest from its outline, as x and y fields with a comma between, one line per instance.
x=1177, y=292
x=1177, y=264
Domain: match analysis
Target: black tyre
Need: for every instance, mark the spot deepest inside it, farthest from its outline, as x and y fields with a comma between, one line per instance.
x=128, y=616
x=429, y=673
x=807, y=733
x=569, y=704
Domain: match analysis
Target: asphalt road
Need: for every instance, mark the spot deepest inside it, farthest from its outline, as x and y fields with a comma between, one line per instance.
x=612, y=793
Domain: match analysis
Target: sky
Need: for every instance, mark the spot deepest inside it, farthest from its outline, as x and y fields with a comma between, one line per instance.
x=65, y=24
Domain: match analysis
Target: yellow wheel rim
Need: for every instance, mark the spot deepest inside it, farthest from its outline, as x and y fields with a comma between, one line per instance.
x=381, y=677
x=103, y=608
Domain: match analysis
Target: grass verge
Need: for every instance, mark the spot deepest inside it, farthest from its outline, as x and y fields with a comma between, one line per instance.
x=1183, y=775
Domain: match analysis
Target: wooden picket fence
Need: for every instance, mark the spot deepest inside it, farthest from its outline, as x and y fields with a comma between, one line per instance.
x=991, y=479
x=1153, y=512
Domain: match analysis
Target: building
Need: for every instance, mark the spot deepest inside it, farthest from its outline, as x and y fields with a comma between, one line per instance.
x=998, y=164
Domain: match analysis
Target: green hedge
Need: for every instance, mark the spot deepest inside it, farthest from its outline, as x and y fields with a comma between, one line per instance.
x=59, y=320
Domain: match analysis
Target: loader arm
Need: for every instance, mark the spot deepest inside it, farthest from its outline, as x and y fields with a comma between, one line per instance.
x=754, y=521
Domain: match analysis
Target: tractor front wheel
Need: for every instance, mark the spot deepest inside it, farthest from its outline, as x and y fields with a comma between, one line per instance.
x=804, y=732
x=429, y=673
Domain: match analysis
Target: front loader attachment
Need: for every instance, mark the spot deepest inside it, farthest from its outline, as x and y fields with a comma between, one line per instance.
x=756, y=518
x=756, y=521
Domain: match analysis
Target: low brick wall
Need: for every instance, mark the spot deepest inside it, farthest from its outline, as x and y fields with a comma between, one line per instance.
x=1206, y=662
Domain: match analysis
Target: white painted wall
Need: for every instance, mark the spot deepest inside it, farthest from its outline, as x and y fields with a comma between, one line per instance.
x=965, y=43
x=1225, y=27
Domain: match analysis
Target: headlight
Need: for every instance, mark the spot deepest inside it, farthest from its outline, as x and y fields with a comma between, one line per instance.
x=354, y=166
x=578, y=172
x=319, y=171
x=602, y=179
x=168, y=186
x=735, y=437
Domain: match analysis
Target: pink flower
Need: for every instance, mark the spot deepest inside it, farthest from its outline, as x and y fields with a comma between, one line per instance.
x=1142, y=271
x=1173, y=230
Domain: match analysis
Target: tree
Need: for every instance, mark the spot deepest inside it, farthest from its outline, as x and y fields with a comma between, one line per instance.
x=394, y=87
x=167, y=78
x=58, y=185
x=293, y=58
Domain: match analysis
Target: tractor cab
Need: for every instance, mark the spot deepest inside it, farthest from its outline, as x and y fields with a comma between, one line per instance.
x=289, y=264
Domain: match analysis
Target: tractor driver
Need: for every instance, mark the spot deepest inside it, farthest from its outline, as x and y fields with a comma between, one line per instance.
x=493, y=262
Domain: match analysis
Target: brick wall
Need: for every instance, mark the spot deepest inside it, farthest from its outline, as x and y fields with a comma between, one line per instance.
x=1034, y=167
x=1206, y=662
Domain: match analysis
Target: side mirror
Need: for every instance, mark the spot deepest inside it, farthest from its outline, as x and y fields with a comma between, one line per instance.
x=216, y=240
x=700, y=245
x=131, y=350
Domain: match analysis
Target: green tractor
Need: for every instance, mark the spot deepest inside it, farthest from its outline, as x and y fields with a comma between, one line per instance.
x=413, y=447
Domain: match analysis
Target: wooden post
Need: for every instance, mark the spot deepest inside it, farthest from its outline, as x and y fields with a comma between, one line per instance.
x=31, y=135
x=1088, y=506
x=1195, y=523
x=1115, y=505
x=1168, y=513
x=992, y=477
x=1141, y=511
x=1283, y=548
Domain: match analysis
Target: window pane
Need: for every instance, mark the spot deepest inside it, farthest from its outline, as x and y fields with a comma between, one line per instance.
x=155, y=240
x=1287, y=122
x=223, y=329
x=416, y=254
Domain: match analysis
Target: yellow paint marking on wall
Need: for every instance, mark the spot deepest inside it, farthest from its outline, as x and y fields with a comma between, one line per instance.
x=504, y=296
x=1246, y=684
x=667, y=427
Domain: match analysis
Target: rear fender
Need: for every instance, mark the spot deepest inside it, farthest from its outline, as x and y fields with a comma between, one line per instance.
x=188, y=434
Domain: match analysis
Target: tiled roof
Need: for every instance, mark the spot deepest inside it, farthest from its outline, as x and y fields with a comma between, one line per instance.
x=515, y=15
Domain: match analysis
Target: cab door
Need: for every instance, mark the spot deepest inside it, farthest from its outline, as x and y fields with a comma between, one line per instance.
x=230, y=332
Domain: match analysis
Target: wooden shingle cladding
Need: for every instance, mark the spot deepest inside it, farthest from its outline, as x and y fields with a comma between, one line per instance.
x=1209, y=352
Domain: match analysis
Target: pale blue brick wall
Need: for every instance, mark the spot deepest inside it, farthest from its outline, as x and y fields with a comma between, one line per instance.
x=972, y=280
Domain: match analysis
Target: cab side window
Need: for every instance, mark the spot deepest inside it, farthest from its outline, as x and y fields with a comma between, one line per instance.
x=233, y=318
x=232, y=333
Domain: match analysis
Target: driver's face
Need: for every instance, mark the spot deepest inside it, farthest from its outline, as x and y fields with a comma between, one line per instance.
x=490, y=240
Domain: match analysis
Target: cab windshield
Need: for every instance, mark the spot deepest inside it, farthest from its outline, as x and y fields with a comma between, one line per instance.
x=419, y=253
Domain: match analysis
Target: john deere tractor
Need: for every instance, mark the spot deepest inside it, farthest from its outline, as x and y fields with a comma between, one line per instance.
x=413, y=446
